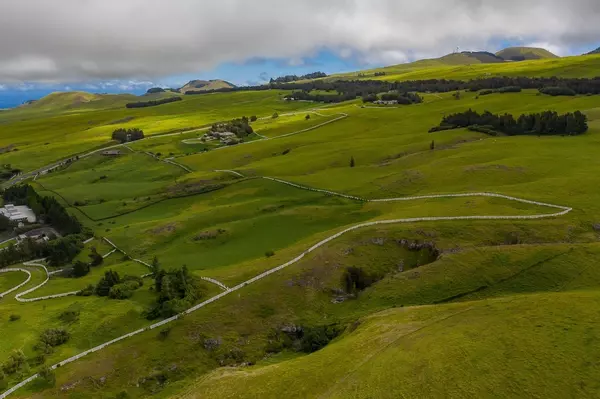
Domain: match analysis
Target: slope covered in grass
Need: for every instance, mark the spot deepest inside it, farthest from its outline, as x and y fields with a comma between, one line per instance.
x=496, y=348
x=525, y=53
x=568, y=67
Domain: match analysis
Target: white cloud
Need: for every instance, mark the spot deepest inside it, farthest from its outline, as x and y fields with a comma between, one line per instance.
x=77, y=40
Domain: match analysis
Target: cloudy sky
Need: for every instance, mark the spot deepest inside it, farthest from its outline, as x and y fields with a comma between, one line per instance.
x=127, y=45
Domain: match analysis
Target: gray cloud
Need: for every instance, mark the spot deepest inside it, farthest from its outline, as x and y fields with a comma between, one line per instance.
x=75, y=40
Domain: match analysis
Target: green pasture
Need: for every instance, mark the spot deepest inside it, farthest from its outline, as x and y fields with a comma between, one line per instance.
x=11, y=279
x=464, y=68
x=41, y=136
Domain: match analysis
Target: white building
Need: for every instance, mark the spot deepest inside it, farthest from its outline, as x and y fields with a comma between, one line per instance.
x=18, y=213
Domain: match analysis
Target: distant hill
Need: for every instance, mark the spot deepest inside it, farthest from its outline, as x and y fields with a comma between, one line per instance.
x=470, y=57
x=205, y=85
x=597, y=51
x=76, y=99
x=525, y=54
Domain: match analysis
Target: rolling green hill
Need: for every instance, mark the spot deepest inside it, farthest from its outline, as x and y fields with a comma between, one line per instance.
x=597, y=51
x=524, y=54
x=205, y=85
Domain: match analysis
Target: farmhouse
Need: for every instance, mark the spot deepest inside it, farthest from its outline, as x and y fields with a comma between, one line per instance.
x=382, y=102
x=18, y=213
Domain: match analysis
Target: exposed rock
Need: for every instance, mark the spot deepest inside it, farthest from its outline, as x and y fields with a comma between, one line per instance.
x=596, y=227
x=347, y=251
x=401, y=266
x=68, y=387
x=378, y=241
x=291, y=329
x=211, y=344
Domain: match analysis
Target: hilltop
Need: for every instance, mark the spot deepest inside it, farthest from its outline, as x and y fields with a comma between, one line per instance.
x=525, y=54
x=205, y=85
x=597, y=51
x=63, y=101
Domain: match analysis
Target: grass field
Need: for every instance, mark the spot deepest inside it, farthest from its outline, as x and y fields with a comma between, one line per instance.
x=467, y=68
x=507, y=306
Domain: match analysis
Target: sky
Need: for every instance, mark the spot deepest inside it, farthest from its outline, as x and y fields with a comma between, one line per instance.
x=130, y=45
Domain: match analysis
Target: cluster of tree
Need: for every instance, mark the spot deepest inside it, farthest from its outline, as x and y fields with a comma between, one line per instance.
x=154, y=90
x=80, y=268
x=46, y=208
x=153, y=103
x=302, y=338
x=293, y=78
x=544, y=123
x=7, y=171
x=558, y=91
x=125, y=135
x=320, y=98
x=59, y=251
x=379, y=74
x=507, y=89
x=355, y=279
x=177, y=290
x=51, y=338
x=113, y=286
x=240, y=127
x=350, y=89
x=405, y=98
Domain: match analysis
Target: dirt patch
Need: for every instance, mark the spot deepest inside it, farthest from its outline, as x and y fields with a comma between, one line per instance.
x=209, y=235
x=168, y=228
x=8, y=148
x=124, y=120
x=503, y=168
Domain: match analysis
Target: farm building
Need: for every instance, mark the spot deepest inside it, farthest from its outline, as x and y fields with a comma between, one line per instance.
x=18, y=213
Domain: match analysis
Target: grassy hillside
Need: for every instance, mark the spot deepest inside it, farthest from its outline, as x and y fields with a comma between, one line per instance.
x=597, y=51
x=467, y=350
x=569, y=67
x=205, y=85
x=525, y=53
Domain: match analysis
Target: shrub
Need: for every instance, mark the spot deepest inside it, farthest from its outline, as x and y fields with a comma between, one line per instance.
x=16, y=362
x=275, y=115
x=253, y=118
x=285, y=152
x=54, y=337
x=510, y=89
x=48, y=377
x=269, y=254
x=87, y=291
x=80, y=269
x=558, y=91
x=352, y=162
x=126, y=288
x=14, y=317
x=164, y=333
x=69, y=316
x=315, y=338
x=110, y=279
x=307, y=117
x=355, y=279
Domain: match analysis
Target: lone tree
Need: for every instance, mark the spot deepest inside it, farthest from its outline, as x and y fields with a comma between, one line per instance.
x=307, y=117
x=352, y=163
x=432, y=145
x=275, y=115
x=253, y=118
